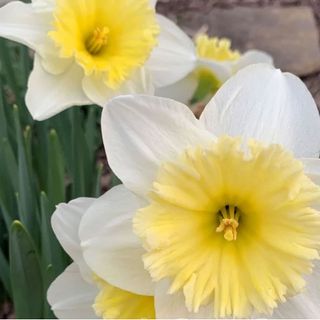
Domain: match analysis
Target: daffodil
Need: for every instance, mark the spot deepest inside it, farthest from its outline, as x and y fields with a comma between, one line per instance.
x=215, y=63
x=223, y=211
x=78, y=292
x=89, y=51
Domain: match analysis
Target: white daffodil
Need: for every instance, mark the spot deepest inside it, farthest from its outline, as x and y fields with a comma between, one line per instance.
x=90, y=51
x=80, y=294
x=228, y=221
x=216, y=63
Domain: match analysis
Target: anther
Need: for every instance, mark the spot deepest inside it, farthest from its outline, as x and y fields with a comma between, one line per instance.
x=97, y=40
x=229, y=222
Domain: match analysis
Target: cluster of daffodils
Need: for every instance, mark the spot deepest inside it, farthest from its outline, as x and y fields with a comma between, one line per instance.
x=216, y=217
x=90, y=51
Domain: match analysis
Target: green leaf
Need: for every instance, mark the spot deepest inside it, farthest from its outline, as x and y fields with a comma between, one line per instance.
x=9, y=72
x=81, y=170
x=5, y=273
x=28, y=209
x=25, y=63
x=56, y=179
x=92, y=135
x=9, y=163
x=8, y=182
x=51, y=251
x=114, y=180
x=97, y=191
x=53, y=258
x=25, y=274
x=6, y=65
x=3, y=120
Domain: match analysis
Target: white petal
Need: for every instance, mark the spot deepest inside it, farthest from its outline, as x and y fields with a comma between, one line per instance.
x=71, y=297
x=110, y=247
x=174, y=57
x=181, y=91
x=222, y=70
x=305, y=305
x=50, y=94
x=252, y=57
x=140, y=132
x=263, y=103
x=153, y=3
x=172, y=306
x=43, y=5
x=29, y=24
x=21, y=23
x=312, y=169
x=65, y=223
x=50, y=59
x=99, y=93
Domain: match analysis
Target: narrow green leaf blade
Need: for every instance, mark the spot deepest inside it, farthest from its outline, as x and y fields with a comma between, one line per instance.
x=53, y=258
x=5, y=273
x=56, y=180
x=25, y=271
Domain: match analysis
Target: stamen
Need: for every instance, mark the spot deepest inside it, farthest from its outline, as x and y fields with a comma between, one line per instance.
x=229, y=222
x=97, y=40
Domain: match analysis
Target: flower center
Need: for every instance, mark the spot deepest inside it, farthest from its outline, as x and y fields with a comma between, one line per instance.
x=97, y=40
x=92, y=34
x=229, y=222
x=231, y=229
x=215, y=48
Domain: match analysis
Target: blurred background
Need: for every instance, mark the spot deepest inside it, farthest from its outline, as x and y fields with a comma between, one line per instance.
x=287, y=29
x=44, y=163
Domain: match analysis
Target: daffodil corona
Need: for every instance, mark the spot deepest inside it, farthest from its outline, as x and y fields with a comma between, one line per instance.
x=109, y=39
x=231, y=228
x=215, y=48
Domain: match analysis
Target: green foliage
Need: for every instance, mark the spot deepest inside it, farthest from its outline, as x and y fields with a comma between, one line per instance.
x=25, y=273
x=41, y=164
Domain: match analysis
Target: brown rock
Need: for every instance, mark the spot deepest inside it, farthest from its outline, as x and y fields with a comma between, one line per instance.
x=289, y=34
x=4, y=2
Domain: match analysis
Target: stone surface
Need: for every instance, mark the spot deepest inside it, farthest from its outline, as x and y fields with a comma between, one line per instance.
x=289, y=34
x=3, y=2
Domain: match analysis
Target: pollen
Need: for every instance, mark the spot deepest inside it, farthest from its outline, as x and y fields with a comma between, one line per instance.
x=97, y=40
x=232, y=226
x=215, y=48
x=229, y=222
